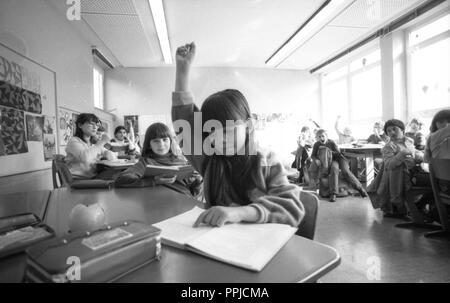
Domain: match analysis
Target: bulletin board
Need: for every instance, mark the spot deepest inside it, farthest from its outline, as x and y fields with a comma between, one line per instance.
x=28, y=114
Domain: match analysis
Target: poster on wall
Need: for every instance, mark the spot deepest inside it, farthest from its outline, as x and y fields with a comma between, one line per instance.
x=19, y=88
x=66, y=125
x=49, y=125
x=49, y=137
x=12, y=131
x=35, y=125
x=27, y=95
x=49, y=146
x=134, y=120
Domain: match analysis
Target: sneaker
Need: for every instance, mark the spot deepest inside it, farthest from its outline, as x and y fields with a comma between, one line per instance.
x=333, y=198
x=363, y=192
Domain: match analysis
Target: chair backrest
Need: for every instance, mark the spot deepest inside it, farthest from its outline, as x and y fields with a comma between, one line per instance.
x=307, y=227
x=60, y=172
x=441, y=168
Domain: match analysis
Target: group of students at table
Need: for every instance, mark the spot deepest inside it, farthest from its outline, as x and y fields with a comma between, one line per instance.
x=401, y=164
x=247, y=186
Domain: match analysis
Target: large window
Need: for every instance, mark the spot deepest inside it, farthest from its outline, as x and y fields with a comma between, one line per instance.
x=429, y=68
x=354, y=93
x=98, y=87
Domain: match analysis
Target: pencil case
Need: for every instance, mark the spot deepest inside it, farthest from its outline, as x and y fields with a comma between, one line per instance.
x=19, y=231
x=103, y=255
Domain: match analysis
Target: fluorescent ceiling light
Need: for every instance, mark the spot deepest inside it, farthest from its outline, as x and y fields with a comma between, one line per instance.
x=159, y=19
x=319, y=19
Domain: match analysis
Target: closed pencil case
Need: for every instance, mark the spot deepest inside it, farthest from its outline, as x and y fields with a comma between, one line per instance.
x=103, y=255
x=19, y=231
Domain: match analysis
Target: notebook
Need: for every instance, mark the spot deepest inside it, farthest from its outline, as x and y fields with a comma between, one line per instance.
x=181, y=172
x=247, y=245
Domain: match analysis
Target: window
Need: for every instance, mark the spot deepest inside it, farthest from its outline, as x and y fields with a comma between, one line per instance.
x=429, y=68
x=354, y=93
x=98, y=87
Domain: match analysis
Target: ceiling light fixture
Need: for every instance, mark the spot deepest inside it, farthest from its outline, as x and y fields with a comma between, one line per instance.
x=159, y=19
x=314, y=23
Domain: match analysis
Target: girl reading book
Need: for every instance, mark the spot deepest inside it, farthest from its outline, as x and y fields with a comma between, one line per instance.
x=160, y=149
x=241, y=184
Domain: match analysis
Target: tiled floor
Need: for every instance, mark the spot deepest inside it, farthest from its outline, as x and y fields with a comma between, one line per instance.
x=365, y=239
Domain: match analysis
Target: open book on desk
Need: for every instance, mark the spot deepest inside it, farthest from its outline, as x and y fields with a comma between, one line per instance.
x=245, y=245
x=182, y=171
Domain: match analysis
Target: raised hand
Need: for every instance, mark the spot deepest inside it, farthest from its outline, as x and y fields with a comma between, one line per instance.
x=185, y=54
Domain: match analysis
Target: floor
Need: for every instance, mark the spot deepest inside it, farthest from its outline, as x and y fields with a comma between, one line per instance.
x=372, y=249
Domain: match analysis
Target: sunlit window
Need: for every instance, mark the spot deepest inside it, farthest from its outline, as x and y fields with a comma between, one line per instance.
x=429, y=66
x=98, y=87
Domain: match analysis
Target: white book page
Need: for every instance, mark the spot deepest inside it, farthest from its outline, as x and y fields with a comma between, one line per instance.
x=179, y=230
x=250, y=246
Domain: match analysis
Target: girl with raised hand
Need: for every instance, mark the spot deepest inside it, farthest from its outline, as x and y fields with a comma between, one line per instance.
x=240, y=183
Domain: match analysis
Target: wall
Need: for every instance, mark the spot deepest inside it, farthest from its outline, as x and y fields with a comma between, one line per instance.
x=147, y=91
x=39, y=31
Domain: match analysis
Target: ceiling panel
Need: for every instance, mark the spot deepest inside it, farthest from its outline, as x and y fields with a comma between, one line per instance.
x=329, y=39
x=235, y=32
x=125, y=37
x=369, y=13
x=124, y=7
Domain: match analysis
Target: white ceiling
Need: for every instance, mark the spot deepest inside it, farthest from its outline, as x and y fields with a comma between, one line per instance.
x=241, y=33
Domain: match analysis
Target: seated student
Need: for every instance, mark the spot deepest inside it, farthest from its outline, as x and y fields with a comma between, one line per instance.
x=438, y=143
x=345, y=137
x=415, y=133
x=82, y=152
x=159, y=149
x=241, y=184
x=329, y=163
x=122, y=144
x=378, y=136
x=400, y=171
x=302, y=154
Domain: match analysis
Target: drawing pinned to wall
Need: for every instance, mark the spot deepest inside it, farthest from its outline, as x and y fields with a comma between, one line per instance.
x=12, y=131
x=18, y=94
x=135, y=122
x=49, y=125
x=35, y=125
x=49, y=146
x=67, y=118
x=27, y=97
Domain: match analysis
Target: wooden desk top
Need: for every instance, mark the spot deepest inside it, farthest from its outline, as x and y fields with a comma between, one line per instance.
x=300, y=260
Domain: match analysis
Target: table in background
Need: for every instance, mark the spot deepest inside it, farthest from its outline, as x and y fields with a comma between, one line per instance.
x=300, y=260
x=368, y=153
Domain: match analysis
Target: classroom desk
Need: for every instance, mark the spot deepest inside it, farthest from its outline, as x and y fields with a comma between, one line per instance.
x=368, y=153
x=300, y=260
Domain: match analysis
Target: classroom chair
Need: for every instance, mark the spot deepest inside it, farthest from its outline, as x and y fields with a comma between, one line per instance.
x=63, y=178
x=440, y=171
x=417, y=218
x=307, y=227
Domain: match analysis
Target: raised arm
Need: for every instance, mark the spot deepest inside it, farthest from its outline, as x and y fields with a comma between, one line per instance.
x=183, y=107
x=336, y=126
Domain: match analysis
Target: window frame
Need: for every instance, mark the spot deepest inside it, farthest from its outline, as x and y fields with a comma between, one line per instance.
x=97, y=68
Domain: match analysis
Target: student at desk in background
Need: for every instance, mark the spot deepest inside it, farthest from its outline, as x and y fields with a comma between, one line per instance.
x=378, y=136
x=160, y=149
x=415, y=127
x=85, y=149
x=122, y=144
x=241, y=184
x=345, y=137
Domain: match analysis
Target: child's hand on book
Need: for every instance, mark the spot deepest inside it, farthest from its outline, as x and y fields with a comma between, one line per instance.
x=219, y=215
x=165, y=179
